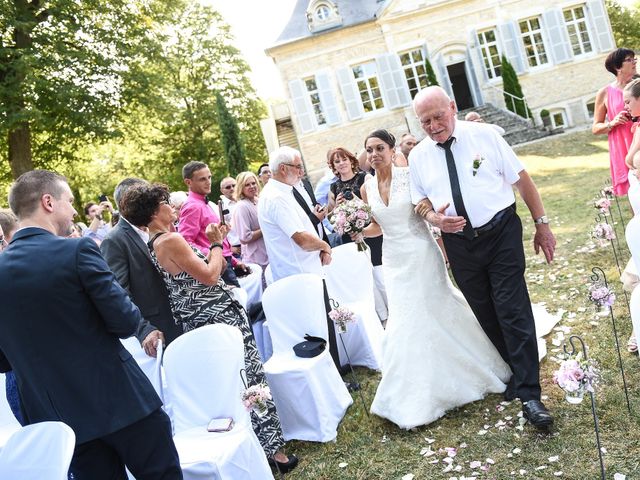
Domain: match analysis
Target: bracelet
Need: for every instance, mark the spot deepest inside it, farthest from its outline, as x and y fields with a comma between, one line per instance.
x=609, y=127
x=214, y=245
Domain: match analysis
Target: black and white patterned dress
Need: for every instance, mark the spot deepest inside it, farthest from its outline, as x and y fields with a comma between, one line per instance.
x=195, y=304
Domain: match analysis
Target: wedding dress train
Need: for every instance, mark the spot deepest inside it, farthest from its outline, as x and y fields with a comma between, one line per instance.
x=435, y=356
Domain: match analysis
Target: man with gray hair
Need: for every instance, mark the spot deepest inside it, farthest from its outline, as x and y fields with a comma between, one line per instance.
x=462, y=180
x=293, y=243
x=125, y=250
x=62, y=318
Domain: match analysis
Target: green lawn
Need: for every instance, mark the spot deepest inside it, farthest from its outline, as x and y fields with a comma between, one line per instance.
x=569, y=171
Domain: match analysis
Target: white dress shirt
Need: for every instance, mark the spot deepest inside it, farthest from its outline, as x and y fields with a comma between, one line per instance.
x=485, y=190
x=280, y=217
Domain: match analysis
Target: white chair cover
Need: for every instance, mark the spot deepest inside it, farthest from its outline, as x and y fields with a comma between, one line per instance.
x=310, y=396
x=241, y=296
x=252, y=284
x=263, y=339
x=634, y=306
x=202, y=369
x=350, y=283
x=38, y=451
x=8, y=423
x=152, y=367
x=268, y=275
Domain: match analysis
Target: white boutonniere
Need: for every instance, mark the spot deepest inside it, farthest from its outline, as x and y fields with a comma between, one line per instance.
x=477, y=161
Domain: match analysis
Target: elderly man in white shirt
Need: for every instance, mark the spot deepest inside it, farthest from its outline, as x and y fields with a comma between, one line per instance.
x=462, y=180
x=293, y=243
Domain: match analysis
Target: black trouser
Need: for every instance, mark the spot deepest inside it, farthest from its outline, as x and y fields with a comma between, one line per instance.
x=146, y=447
x=333, y=346
x=489, y=270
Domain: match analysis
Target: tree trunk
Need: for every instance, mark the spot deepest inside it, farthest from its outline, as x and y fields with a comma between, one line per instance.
x=20, y=150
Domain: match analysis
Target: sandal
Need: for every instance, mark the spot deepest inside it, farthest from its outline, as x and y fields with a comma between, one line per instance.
x=632, y=344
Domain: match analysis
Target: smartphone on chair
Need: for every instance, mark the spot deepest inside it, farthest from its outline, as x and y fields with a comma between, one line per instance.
x=220, y=425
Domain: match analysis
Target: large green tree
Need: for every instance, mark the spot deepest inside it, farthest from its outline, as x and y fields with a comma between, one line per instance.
x=67, y=68
x=625, y=23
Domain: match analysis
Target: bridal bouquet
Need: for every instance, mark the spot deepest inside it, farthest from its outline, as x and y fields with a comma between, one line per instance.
x=601, y=295
x=341, y=316
x=255, y=398
x=575, y=376
x=351, y=217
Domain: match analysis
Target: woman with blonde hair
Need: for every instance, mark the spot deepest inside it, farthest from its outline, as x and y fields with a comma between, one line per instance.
x=245, y=220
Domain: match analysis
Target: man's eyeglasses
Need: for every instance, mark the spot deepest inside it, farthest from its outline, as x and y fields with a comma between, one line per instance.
x=228, y=187
x=299, y=167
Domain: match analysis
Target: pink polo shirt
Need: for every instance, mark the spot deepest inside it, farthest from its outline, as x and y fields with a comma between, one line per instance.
x=195, y=215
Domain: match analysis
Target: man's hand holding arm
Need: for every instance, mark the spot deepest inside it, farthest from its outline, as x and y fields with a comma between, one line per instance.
x=543, y=238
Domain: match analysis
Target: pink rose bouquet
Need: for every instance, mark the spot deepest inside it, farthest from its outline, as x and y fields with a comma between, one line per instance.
x=255, y=398
x=352, y=217
x=341, y=316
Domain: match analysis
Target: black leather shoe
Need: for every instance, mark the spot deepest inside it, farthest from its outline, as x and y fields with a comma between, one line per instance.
x=537, y=414
x=510, y=392
x=285, y=467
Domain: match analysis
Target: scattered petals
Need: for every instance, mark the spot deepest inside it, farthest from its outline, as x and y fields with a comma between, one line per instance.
x=475, y=464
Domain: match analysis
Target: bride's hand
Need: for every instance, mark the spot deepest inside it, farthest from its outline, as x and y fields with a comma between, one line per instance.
x=446, y=223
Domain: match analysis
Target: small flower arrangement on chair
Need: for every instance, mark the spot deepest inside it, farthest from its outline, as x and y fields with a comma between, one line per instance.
x=341, y=316
x=255, y=398
x=575, y=376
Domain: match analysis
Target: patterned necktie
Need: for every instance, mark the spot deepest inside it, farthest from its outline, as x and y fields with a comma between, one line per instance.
x=455, y=188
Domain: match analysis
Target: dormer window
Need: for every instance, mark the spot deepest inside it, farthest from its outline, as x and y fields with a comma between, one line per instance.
x=322, y=15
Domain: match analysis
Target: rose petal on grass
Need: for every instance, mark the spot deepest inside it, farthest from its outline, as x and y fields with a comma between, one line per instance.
x=429, y=440
x=516, y=450
x=522, y=472
x=541, y=467
x=408, y=476
x=557, y=474
x=490, y=461
x=555, y=458
x=475, y=464
x=619, y=476
x=482, y=432
x=342, y=464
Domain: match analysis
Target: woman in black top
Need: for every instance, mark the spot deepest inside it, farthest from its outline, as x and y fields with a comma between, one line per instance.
x=345, y=166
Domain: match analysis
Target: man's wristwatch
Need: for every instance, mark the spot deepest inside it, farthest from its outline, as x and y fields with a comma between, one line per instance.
x=543, y=219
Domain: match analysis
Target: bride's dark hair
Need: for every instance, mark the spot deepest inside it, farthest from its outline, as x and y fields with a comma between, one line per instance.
x=383, y=135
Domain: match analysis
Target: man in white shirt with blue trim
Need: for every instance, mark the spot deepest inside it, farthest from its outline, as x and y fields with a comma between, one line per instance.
x=293, y=244
x=462, y=180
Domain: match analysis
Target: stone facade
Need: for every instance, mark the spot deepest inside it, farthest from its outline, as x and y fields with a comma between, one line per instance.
x=349, y=79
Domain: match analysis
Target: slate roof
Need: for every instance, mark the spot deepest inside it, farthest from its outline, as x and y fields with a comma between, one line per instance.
x=353, y=12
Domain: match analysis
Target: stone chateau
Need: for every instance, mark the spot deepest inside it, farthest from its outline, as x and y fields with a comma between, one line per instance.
x=351, y=66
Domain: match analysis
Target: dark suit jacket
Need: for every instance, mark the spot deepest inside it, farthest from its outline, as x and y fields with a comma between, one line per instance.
x=129, y=260
x=62, y=314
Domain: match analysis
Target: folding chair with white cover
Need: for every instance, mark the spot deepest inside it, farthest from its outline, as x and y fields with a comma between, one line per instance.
x=38, y=451
x=350, y=283
x=8, y=423
x=309, y=393
x=152, y=367
x=202, y=369
x=268, y=275
x=252, y=284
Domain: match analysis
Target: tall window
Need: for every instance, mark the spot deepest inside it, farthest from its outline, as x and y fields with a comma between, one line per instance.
x=415, y=70
x=533, y=43
x=490, y=52
x=312, y=88
x=576, y=24
x=366, y=75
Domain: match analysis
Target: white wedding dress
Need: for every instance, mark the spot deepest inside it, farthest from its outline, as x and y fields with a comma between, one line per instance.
x=435, y=356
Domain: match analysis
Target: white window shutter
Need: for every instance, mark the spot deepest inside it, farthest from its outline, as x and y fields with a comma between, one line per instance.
x=476, y=52
x=350, y=93
x=327, y=99
x=302, y=106
x=558, y=36
x=509, y=35
x=443, y=75
x=469, y=69
x=600, y=23
x=394, y=86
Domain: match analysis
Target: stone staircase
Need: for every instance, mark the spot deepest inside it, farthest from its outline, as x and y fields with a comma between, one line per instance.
x=518, y=130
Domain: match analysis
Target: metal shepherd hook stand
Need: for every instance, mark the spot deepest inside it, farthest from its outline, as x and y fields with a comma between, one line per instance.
x=595, y=278
x=335, y=304
x=574, y=352
x=615, y=198
x=599, y=219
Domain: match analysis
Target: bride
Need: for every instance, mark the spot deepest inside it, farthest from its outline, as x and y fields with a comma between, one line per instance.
x=436, y=356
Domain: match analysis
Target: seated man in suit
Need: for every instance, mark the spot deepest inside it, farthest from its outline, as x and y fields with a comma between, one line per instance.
x=62, y=318
x=125, y=250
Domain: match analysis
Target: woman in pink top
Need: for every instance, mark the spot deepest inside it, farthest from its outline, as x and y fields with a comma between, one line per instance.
x=245, y=220
x=611, y=117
